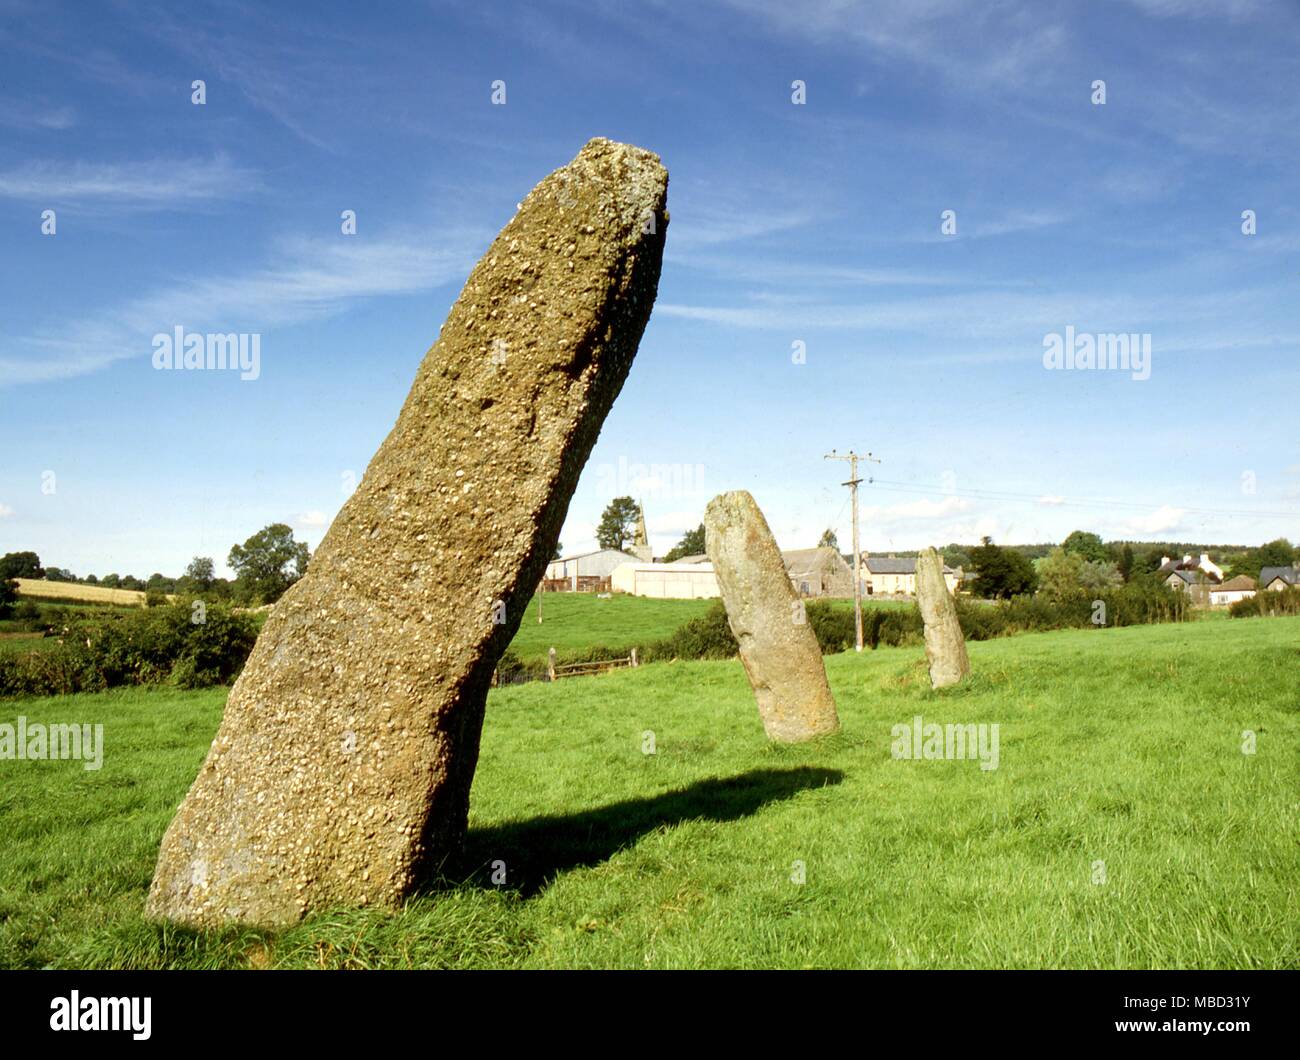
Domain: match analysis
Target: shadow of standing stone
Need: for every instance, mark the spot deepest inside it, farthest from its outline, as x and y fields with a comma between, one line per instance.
x=342, y=768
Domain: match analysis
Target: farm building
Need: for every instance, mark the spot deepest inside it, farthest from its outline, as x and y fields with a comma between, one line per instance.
x=1275, y=579
x=1239, y=588
x=584, y=571
x=818, y=572
x=667, y=581
x=889, y=576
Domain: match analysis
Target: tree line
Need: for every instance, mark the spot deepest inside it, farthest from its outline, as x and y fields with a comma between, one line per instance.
x=265, y=566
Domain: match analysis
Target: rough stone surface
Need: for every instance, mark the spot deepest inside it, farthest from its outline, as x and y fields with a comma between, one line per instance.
x=342, y=768
x=777, y=645
x=945, y=647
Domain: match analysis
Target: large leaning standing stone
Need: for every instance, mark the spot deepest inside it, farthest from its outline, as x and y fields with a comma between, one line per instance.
x=945, y=647
x=777, y=646
x=342, y=768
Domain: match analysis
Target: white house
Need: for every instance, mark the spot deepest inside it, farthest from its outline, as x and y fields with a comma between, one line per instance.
x=666, y=581
x=1239, y=588
x=889, y=576
x=1205, y=565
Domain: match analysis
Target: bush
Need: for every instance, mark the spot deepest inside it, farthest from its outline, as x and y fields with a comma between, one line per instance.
x=136, y=647
x=832, y=626
x=706, y=637
x=1267, y=602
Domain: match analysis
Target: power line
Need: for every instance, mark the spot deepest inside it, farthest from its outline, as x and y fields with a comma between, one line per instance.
x=1056, y=501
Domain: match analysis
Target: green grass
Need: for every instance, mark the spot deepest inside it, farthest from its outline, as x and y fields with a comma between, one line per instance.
x=576, y=621
x=16, y=645
x=1122, y=746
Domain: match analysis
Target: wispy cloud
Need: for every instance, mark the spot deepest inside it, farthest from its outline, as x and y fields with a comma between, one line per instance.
x=1000, y=44
x=19, y=114
x=5, y=511
x=156, y=184
x=308, y=279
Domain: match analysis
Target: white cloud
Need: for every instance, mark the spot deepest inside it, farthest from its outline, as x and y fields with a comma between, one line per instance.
x=922, y=509
x=1050, y=500
x=1163, y=519
x=313, y=519
x=155, y=184
x=5, y=511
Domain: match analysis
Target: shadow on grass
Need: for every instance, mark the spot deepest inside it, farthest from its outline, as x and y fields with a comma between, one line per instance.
x=538, y=850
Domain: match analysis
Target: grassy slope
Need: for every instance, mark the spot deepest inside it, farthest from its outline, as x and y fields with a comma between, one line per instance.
x=573, y=621
x=1116, y=745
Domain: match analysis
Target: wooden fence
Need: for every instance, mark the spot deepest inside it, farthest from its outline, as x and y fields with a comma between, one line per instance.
x=581, y=669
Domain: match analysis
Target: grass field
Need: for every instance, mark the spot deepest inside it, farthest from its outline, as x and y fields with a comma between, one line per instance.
x=574, y=621
x=1117, y=746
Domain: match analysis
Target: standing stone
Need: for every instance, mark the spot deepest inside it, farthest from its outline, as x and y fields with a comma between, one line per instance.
x=945, y=648
x=341, y=771
x=777, y=646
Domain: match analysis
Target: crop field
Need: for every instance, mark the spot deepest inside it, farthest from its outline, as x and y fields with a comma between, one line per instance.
x=1141, y=814
x=61, y=592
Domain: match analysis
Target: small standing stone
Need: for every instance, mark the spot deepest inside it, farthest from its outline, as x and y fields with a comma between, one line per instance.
x=945, y=647
x=777, y=646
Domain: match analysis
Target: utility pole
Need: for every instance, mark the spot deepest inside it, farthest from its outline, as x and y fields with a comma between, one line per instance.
x=852, y=483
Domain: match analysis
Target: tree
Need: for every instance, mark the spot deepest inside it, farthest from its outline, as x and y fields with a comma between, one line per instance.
x=269, y=562
x=130, y=581
x=691, y=544
x=1279, y=553
x=21, y=565
x=1126, y=562
x=201, y=572
x=559, y=550
x=1058, y=574
x=1096, y=575
x=8, y=594
x=111, y=581
x=57, y=574
x=1088, y=546
x=1001, y=572
x=828, y=540
x=618, y=523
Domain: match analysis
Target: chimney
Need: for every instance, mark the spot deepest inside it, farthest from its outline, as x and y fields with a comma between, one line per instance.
x=1205, y=559
x=1164, y=560
x=1187, y=558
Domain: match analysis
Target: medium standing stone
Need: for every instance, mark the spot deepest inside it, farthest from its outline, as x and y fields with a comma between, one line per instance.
x=342, y=769
x=945, y=647
x=777, y=646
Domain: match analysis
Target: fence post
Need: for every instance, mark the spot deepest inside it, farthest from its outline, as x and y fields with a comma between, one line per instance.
x=634, y=662
x=550, y=664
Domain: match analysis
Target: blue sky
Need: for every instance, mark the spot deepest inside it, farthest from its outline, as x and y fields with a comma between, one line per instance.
x=817, y=223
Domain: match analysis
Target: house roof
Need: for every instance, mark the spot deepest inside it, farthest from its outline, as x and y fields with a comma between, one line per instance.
x=891, y=565
x=1288, y=574
x=698, y=558
x=808, y=560
x=1241, y=581
x=584, y=555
